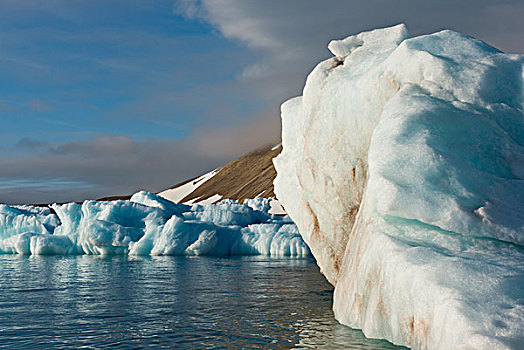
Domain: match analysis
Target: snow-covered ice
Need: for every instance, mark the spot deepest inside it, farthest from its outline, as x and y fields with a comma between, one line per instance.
x=149, y=225
x=403, y=168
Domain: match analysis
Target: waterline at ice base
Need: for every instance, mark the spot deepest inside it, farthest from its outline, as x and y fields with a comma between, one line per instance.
x=403, y=168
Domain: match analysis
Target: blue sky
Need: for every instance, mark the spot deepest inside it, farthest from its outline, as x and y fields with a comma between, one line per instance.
x=75, y=71
x=108, y=97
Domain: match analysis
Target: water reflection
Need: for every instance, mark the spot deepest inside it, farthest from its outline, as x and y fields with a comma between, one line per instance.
x=170, y=302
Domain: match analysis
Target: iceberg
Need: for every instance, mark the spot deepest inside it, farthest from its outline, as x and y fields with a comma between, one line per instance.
x=403, y=169
x=148, y=224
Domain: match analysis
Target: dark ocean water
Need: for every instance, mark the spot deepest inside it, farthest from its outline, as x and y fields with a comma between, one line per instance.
x=170, y=302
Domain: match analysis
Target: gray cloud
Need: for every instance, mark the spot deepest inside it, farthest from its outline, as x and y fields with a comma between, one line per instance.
x=40, y=106
x=290, y=37
x=6, y=107
x=107, y=165
x=294, y=25
x=116, y=165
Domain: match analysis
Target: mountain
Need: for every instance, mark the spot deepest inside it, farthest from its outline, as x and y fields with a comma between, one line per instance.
x=249, y=176
x=246, y=177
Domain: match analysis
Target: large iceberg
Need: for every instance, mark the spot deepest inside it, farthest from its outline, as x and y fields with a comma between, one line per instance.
x=403, y=168
x=149, y=225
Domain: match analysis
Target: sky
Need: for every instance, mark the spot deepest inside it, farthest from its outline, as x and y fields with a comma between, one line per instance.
x=101, y=98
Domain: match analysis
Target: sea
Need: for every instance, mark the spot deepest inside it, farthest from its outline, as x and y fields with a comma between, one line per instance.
x=124, y=302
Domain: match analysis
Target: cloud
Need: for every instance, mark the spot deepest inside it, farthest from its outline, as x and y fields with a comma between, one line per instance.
x=232, y=141
x=291, y=36
x=297, y=24
x=6, y=107
x=40, y=106
x=192, y=9
x=107, y=165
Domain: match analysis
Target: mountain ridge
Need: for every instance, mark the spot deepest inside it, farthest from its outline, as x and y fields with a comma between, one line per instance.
x=248, y=176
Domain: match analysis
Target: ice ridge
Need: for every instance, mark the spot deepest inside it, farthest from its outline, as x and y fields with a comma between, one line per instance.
x=149, y=225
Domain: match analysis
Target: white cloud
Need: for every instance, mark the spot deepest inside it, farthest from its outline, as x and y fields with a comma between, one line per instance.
x=190, y=8
x=256, y=70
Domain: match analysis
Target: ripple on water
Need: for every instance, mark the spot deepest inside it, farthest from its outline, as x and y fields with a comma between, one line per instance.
x=170, y=302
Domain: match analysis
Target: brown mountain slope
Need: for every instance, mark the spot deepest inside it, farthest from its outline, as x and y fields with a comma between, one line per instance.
x=246, y=177
x=249, y=176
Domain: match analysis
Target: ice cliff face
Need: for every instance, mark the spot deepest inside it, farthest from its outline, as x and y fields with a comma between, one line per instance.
x=403, y=168
x=149, y=225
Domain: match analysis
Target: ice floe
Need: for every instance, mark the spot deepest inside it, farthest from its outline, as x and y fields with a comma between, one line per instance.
x=149, y=225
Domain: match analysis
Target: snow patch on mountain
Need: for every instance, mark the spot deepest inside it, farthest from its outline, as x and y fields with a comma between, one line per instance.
x=250, y=176
x=178, y=193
